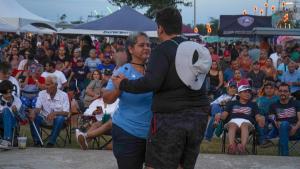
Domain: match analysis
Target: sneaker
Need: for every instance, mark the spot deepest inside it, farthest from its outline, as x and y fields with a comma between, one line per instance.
x=81, y=140
x=232, y=149
x=266, y=144
x=241, y=149
x=4, y=144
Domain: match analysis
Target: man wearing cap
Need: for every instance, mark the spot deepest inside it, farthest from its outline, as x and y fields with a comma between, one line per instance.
x=10, y=107
x=287, y=113
x=217, y=107
x=106, y=64
x=241, y=116
x=256, y=76
x=175, y=73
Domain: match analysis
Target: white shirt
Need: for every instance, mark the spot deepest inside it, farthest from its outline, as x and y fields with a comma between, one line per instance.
x=275, y=58
x=60, y=102
x=23, y=63
x=16, y=83
x=109, y=109
x=61, y=78
x=17, y=102
x=224, y=97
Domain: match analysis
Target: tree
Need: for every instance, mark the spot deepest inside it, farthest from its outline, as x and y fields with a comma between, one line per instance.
x=62, y=18
x=152, y=5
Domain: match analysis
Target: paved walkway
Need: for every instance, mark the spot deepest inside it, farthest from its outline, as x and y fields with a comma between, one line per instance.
x=41, y=158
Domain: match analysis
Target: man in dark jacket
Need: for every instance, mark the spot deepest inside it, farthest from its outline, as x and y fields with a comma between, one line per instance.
x=179, y=108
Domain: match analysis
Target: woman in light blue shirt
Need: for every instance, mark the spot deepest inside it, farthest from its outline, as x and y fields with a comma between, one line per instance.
x=132, y=119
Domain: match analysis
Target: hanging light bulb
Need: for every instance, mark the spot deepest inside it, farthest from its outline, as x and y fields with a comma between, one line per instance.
x=261, y=11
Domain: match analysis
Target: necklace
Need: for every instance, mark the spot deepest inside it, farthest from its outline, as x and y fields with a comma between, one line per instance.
x=142, y=65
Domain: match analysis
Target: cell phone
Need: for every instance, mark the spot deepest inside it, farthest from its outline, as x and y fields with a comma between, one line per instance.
x=98, y=110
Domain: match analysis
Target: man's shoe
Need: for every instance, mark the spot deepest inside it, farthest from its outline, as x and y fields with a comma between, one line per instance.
x=49, y=145
x=266, y=144
x=81, y=140
x=4, y=144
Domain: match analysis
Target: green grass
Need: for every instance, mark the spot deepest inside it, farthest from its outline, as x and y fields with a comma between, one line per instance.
x=213, y=147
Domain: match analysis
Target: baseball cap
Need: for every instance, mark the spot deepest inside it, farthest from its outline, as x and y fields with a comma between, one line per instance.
x=79, y=59
x=192, y=62
x=232, y=84
x=107, y=72
x=244, y=88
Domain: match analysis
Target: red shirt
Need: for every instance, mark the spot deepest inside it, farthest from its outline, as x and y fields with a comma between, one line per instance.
x=41, y=80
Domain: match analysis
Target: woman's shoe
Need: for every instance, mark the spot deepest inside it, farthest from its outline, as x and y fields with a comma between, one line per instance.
x=81, y=140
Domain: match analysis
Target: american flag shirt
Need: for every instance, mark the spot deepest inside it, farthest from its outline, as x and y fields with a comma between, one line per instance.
x=245, y=111
x=286, y=112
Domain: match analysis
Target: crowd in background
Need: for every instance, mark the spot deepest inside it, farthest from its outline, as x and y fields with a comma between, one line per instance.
x=83, y=67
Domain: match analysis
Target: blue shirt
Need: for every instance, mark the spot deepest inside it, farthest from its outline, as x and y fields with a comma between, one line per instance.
x=92, y=63
x=103, y=67
x=264, y=104
x=134, y=112
x=292, y=77
x=282, y=67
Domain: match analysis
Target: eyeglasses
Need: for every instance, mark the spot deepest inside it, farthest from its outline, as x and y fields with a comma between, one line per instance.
x=143, y=45
x=283, y=91
x=246, y=91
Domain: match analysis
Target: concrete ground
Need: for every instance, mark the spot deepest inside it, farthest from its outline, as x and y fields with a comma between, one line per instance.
x=42, y=158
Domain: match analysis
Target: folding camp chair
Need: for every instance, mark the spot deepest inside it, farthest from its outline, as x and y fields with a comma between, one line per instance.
x=102, y=141
x=46, y=131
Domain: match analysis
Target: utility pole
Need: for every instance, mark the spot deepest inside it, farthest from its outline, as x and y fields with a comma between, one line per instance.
x=195, y=14
x=267, y=1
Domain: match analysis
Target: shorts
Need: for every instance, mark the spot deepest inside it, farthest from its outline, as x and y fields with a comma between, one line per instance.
x=175, y=139
x=239, y=122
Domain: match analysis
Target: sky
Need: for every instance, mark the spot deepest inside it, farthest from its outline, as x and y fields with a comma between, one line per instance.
x=74, y=9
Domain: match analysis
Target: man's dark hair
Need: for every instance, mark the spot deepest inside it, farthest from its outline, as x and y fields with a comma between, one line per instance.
x=170, y=19
x=5, y=67
x=51, y=64
x=6, y=86
x=284, y=85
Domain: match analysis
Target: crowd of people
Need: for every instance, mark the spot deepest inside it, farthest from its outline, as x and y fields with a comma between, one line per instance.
x=251, y=87
x=244, y=74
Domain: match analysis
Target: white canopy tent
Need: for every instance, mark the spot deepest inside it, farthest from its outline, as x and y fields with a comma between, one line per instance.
x=33, y=29
x=12, y=13
x=6, y=28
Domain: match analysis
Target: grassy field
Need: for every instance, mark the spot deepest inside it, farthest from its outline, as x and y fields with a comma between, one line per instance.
x=213, y=147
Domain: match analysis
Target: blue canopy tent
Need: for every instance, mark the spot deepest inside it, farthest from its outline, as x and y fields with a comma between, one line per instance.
x=119, y=23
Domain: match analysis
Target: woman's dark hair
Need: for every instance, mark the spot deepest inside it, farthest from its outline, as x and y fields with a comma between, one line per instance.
x=5, y=86
x=170, y=19
x=5, y=67
x=99, y=72
x=51, y=64
x=87, y=40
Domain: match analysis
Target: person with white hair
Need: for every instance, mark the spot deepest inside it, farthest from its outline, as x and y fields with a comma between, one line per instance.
x=52, y=108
